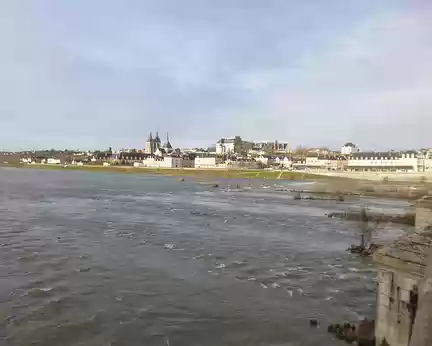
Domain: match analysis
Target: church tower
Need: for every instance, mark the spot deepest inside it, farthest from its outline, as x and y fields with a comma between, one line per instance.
x=157, y=142
x=167, y=145
x=150, y=145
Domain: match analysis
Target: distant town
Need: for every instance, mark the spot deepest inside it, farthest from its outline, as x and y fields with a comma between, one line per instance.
x=233, y=153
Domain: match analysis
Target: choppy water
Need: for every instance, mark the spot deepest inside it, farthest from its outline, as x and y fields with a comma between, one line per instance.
x=105, y=259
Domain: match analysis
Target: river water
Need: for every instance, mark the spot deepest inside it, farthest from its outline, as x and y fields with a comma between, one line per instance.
x=100, y=259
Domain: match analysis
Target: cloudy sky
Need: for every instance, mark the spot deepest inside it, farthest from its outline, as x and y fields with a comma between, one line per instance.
x=94, y=73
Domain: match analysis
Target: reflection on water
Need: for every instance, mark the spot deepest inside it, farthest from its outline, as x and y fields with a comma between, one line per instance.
x=106, y=259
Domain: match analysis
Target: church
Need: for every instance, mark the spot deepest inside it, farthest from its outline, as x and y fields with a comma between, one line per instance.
x=155, y=147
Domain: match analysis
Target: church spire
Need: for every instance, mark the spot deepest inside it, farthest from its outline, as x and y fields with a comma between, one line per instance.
x=150, y=137
x=167, y=144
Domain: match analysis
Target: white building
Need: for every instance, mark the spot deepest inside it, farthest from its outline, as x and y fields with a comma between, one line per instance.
x=349, y=148
x=229, y=145
x=207, y=162
x=166, y=162
x=405, y=161
x=285, y=162
x=173, y=162
x=324, y=162
x=52, y=161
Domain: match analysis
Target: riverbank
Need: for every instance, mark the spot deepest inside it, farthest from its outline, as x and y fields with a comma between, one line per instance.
x=408, y=190
x=379, y=176
x=187, y=172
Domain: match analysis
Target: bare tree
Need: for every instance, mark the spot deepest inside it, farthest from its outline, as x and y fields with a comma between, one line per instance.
x=366, y=231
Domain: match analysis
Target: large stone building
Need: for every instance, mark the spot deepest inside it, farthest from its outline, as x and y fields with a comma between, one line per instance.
x=404, y=161
x=207, y=162
x=325, y=162
x=233, y=145
x=401, y=267
x=275, y=147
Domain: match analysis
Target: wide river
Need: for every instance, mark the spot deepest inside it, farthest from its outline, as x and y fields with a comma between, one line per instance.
x=95, y=259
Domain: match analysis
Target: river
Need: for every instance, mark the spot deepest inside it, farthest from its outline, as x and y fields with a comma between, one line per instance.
x=100, y=259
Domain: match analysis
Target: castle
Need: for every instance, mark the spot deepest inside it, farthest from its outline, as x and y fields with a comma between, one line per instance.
x=154, y=145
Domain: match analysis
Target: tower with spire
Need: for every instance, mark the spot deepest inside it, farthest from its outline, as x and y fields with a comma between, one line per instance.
x=167, y=145
x=150, y=145
x=157, y=141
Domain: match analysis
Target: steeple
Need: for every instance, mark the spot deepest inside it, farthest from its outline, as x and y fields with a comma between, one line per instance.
x=167, y=145
x=150, y=144
x=157, y=139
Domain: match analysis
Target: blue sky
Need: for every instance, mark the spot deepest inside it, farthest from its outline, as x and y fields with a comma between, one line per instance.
x=100, y=73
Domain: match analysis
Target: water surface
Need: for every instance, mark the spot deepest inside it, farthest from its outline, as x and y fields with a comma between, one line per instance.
x=113, y=259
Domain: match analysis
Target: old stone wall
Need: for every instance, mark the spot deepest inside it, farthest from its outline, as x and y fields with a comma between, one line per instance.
x=423, y=219
x=394, y=307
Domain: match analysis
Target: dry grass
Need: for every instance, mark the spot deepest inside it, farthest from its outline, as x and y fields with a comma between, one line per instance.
x=188, y=172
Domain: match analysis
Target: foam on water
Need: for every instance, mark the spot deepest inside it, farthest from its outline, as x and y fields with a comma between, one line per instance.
x=85, y=264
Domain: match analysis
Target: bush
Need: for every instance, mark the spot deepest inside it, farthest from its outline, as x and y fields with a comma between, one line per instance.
x=385, y=179
x=423, y=179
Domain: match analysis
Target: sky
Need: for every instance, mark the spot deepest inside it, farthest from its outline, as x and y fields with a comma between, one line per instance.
x=93, y=74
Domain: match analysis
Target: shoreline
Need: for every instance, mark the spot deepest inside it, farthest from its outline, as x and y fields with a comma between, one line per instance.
x=185, y=172
x=333, y=185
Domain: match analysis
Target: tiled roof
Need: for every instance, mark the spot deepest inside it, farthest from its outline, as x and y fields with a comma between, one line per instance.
x=397, y=154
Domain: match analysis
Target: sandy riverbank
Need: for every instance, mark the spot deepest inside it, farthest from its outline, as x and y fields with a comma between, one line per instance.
x=187, y=172
x=379, y=176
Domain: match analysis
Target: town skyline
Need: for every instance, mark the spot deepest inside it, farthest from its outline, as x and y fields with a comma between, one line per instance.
x=212, y=144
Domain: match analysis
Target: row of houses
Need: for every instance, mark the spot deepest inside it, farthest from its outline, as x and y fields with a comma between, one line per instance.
x=405, y=161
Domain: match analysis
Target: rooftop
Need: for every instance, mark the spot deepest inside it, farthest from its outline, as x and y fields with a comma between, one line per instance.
x=380, y=154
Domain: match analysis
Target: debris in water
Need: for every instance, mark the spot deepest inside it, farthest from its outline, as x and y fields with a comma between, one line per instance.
x=275, y=285
x=313, y=323
x=262, y=285
x=221, y=266
x=169, y=246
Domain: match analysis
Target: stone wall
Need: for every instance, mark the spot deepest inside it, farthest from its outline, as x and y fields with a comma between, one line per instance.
x=423, y=218
x=401, y=268
x=394, y=313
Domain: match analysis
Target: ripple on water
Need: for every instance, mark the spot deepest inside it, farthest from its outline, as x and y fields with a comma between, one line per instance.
x=80, y=270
